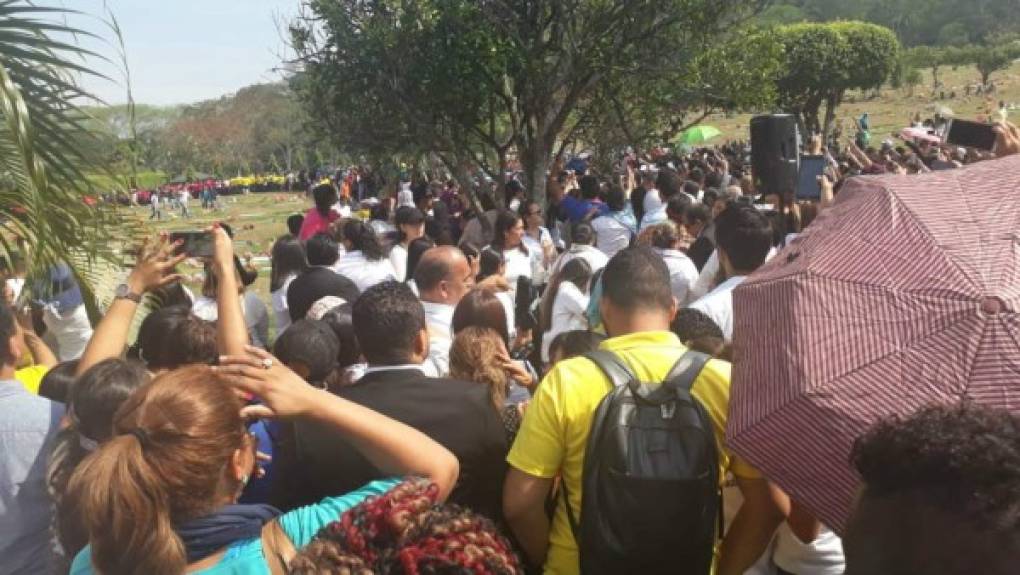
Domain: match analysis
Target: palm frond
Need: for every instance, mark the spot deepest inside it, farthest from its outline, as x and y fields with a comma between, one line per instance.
x=47, y=150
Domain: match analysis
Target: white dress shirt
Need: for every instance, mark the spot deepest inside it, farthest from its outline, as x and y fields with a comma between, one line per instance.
x=718, y=305
x=651, y=201
x=611, y=236
x=364, y=273
x=439, y=318
x=595, y=258
x=281, y=311
x=683, y=274
x=398, y=259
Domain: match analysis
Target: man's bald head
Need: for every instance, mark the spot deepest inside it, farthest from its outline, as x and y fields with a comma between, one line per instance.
x=443, y=275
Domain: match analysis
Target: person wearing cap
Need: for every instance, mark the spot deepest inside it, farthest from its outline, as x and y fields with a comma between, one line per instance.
x=64, y=312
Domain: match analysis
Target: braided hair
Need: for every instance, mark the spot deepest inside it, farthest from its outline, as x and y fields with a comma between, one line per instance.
x=405, y=532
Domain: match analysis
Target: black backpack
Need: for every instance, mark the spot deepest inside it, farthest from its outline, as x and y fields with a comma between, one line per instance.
x=650, y=497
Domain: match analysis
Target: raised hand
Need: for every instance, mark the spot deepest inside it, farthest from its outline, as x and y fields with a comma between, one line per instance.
x=154, y=267
x=283, y=393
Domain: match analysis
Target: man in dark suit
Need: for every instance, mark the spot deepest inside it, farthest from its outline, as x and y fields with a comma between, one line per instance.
x=389, y=322
x=320, y=280
x=698, y=223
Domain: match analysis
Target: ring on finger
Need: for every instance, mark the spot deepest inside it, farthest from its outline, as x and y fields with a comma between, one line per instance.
x=267, y=363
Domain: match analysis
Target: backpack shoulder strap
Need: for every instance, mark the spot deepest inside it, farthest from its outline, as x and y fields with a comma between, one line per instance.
x=614, y=368
x=686, y=370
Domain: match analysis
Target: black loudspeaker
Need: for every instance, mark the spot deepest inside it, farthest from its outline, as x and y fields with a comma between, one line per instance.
x=775, y=154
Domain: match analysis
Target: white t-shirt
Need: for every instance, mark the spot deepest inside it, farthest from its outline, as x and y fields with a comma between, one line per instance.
x=823, y=556
x=70, y=331
x=652, y=201
x=398, y=259
x=718, y=305
x=281, y=311
x=568, y=314
x=184, y=197
x=364, y=273
x=682, y=274
x=611, y=236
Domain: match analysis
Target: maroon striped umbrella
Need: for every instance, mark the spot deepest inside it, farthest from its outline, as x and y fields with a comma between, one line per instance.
x=903, y=294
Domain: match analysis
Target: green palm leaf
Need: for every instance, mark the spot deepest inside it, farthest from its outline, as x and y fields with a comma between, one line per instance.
x=47, y=150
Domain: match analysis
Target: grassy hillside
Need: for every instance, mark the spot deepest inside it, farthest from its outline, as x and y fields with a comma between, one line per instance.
x=893, y=109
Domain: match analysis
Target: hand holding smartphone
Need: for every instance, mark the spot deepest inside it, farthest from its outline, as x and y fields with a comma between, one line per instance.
x=194, y=244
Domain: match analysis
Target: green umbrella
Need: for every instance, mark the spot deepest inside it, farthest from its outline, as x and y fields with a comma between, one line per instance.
x=699, y=134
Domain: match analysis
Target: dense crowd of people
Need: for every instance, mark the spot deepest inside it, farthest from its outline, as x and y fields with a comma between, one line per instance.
x=427, y=400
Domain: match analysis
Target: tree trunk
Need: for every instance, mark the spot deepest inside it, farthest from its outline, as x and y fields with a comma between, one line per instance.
x=536, y=157
x=832, y=102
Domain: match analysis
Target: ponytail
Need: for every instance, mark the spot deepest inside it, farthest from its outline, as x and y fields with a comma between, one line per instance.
x=126, y=511
x=172, y=440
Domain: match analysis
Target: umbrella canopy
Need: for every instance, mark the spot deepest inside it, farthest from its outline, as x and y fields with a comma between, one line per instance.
x=179, y=180
x=699, y=134
x=901, y=295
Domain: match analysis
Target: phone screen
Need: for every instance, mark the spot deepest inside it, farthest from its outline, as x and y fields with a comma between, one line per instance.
x=971, y=135
x=196, y=244
x=808, y=187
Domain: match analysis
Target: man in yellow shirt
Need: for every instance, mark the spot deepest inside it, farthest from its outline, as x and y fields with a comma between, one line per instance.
x=637, y=307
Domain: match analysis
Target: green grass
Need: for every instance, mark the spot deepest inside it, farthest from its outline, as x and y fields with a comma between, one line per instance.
x=146, y=180
x=257, y=221
x=893, y=109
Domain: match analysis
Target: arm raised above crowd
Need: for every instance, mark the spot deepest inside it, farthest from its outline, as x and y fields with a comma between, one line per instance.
x=154, y=268
x=231, y=331
x=391, y=446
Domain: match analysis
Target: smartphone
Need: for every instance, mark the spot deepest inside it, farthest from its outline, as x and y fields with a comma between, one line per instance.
x=971, y=135
x=195, y=244
x=808, y=187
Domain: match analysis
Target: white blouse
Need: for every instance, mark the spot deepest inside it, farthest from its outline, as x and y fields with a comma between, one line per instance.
x=568, y=314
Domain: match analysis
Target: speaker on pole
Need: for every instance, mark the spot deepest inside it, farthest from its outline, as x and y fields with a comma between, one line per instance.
x=775, y=154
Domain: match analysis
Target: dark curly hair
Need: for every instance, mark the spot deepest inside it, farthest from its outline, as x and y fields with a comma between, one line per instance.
x=405, y=531
x=963, y=460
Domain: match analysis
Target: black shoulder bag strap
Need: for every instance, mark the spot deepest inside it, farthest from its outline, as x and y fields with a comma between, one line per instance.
x=619, y=374
x=682, y=378
x=686, y=370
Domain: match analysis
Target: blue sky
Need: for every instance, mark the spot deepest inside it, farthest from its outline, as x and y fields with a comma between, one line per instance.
x=182, y=51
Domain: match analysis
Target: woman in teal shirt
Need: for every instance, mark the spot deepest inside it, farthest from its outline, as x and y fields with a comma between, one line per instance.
x=160, y=496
